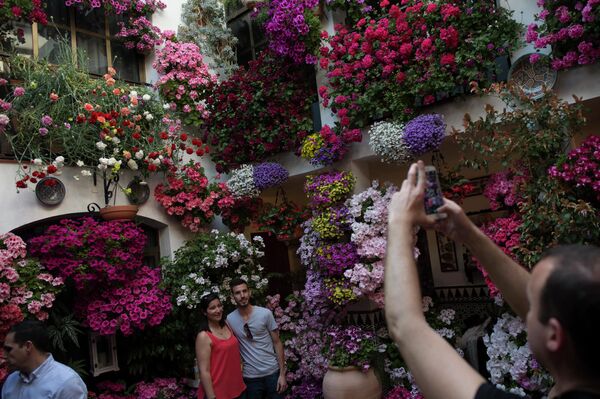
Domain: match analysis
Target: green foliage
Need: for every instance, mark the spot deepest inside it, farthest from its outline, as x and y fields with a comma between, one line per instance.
x=64, y=330
x=166, y=350
x=208, y=262
x=533, y=135
x=204, y=24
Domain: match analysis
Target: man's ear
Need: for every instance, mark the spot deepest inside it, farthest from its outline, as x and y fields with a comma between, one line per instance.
x=29, y=346
x=555, y=335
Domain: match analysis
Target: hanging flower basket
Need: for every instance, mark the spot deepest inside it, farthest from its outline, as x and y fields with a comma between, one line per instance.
x=119, y=212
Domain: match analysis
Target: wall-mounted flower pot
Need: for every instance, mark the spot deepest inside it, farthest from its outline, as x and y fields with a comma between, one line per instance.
x=50, y=191
x=119, y=212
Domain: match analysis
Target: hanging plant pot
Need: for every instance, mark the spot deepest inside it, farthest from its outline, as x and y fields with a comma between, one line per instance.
x=295, y=236
x=50, y=191
x=350, y=382
x=119, y=212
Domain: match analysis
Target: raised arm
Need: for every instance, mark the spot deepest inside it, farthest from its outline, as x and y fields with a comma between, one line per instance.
x=510, y=278
x=203, y=349
x=278, y=345
x=438, y=369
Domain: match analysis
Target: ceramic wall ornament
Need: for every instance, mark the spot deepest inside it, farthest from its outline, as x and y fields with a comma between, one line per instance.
x=533, y=78
x=50, y=191
x=140, y=192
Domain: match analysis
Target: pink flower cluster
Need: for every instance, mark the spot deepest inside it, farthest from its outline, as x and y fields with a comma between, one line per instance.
x=185, y=80
x=24, y=287
x=138, y=32
x=399, y=392
x=104, y=259
x=505, y=233
x=167, y=388
x=383, y=66
x=23, y=282
x=503, y=189
x=137, y=304
x=571, y=28
x=582, y=167
x=189, y=196
x=140, y=35
x=158, y=388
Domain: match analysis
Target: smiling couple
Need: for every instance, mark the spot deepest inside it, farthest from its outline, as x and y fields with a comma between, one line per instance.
x=250, y=331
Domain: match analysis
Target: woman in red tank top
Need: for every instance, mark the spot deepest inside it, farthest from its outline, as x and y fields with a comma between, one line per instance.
x=218, y=354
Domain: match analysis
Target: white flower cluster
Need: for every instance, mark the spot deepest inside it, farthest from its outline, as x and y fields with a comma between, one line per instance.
x=230, y=256
x=511, y=365
x=386, y=141
x=241, y=182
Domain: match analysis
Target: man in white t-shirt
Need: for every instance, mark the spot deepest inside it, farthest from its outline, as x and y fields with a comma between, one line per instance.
x=261, y=349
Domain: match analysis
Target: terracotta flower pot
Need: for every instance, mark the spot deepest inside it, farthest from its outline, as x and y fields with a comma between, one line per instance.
x=349, y=383
x=119, y=212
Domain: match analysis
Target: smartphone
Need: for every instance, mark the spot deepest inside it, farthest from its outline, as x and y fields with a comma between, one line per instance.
x=433, y=191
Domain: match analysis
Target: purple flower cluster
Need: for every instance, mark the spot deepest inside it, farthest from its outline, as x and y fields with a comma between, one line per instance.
x=269, y=174
x=288, y=30
x=582, y=167
x=328, y=188
x=351, y=346
x=308, y=389
x=424, y=133
x=334, y=259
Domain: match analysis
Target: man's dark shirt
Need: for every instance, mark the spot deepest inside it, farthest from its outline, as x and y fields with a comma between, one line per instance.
x=488, y=391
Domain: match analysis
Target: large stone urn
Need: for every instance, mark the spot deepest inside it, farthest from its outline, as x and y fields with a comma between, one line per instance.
x=351, y=383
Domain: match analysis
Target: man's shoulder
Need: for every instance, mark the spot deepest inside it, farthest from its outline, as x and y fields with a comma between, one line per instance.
x=261, y=311
x=62, y=371
x=11, y=379
x=234, y=316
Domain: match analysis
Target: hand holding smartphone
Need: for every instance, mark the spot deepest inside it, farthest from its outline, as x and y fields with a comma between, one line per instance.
x=433, y=191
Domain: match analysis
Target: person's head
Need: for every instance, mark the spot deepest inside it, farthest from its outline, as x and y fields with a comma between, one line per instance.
x=212, y=309
x=240, y=292
x=24, y=344
x=564, y=315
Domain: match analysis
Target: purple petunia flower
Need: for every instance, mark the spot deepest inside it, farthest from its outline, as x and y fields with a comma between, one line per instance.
x=424, y=133
x=269, y=174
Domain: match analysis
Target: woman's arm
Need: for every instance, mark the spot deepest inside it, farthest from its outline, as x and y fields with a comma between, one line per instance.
x=203, y=349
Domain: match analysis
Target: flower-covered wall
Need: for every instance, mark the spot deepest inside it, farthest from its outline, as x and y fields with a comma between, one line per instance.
x=269, y=163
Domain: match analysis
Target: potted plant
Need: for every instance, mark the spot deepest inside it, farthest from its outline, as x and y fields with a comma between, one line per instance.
x=61, y=116
x=104, y=262
x=283, y=220
x=351, y=351
x=265, y=107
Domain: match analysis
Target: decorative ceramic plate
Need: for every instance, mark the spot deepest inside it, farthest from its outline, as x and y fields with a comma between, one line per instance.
x=50, y=191
x=140, y=192
x=532, y=78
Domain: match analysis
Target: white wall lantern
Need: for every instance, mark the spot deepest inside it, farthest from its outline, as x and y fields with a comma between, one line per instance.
x=103, y=351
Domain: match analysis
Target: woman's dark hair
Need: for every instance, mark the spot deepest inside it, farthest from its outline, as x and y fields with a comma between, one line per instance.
x=572, y=295
x=204, y=302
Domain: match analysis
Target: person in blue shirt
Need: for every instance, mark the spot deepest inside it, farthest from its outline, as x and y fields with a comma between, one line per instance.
x=37, y=374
